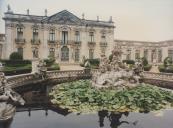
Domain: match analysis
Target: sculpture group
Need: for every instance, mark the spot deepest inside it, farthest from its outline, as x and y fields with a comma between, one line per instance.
x=8, y=100
x=114, y=73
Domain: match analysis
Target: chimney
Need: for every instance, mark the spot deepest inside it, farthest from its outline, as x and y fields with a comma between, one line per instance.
x=97, y=18
x=83, y=16
x=45, y=11
x=110, y=20
x=27, y=11
x=9, y=9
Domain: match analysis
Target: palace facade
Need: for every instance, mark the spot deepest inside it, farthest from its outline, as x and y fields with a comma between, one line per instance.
x=69, y=38
x=63, y=36
x=154, y=52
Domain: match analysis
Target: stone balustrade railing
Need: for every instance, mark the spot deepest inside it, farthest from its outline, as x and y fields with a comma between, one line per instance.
x=158, y=76
x=24, y=79
x=19, y=80
x=62, y=74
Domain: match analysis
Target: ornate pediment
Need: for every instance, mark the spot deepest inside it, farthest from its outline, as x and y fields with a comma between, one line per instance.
x=63, y=17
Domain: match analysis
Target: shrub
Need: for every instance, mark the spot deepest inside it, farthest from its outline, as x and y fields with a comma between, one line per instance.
x=129, y=62
x=15, y=63
x=49, y=61
x=17, y=70
x=147, y=67
x=168, y=69
x=144, y=61
x=110, y=57
x=167, y=61
x=16, y=56
x=53, y=67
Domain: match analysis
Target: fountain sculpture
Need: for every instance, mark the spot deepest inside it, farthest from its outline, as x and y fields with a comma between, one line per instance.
x=8, y=100
x=42, y=69
x=114, y=73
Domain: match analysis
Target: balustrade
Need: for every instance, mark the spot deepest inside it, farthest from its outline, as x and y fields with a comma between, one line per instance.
x=19, y=80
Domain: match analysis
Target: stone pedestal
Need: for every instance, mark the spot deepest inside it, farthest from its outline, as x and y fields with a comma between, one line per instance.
x=35, y=63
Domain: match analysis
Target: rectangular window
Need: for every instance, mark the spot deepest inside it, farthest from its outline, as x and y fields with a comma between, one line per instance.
x=128, y=57
x=153, y=55
x=91, y=54
x=52, y=52
x=35, y=34
x=91, y=36
x=103, y=38
x=77, y=55
x=77, y=36
x=64, y=37
x=170, y=53
x=137, y=54
x=52, y=35
x=0, y=51
x=159, y=55
x=20, y=51
x=19, y=33
x=146, y=53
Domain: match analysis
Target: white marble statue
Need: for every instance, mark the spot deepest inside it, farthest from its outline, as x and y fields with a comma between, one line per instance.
x=113, y=73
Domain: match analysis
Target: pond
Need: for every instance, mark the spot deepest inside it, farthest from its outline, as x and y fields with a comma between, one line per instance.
x=37, y=113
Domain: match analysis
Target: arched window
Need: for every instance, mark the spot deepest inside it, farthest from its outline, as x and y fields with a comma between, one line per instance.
x=52, y=52
x=65, y=53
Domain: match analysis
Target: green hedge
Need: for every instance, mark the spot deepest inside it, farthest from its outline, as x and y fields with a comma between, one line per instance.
x=129, y=62
x=168, y=69
x=17, y=70
x=93, y=62
x=53, y=67
x=16, y=56
x=147, y=67
x=15, y=63
x=49, y=61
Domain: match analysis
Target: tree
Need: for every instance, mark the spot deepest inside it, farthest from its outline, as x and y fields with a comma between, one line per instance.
x=16, y=56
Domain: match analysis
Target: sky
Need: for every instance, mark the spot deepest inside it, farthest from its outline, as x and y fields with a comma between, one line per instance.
x=142, y=20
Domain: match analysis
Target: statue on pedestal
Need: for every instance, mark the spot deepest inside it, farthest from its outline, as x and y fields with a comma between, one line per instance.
x=42, y=69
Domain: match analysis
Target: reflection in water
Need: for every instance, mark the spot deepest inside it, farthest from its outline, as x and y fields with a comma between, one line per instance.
x=102, y=115
x=39, y=113
x=5, y=124
x=114, y=118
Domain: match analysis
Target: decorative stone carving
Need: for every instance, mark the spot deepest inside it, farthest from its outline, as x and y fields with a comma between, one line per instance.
x=63, y=17
x=42, y=69
x=113, y=73
x=8, y=99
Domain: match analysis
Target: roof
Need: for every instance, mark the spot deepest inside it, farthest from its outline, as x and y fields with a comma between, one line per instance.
x=62, y=17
